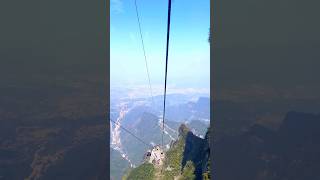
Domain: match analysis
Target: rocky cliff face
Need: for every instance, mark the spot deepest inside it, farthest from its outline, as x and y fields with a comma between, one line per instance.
x=187, y=158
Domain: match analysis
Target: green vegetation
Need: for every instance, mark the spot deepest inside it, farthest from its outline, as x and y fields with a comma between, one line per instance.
x=188, y=171
x=197, y=160
x=206, y=175
x=173, y=160
x=119, y=165
x=143, y=172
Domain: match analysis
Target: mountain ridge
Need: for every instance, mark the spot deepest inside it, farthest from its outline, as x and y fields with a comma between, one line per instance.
x=187, y=158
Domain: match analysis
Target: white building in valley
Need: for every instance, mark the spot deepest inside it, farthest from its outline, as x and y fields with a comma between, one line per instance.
x=155, y=156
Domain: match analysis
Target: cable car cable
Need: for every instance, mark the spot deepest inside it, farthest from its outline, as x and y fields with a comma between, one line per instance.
x=166, y=70
x=131, y=133
x=143, y=49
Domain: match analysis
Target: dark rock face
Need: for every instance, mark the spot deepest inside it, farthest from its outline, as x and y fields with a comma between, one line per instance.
x=291, y=152
x=196, y=150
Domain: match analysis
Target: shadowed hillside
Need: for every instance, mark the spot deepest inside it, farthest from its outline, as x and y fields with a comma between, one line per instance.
x=291, y=152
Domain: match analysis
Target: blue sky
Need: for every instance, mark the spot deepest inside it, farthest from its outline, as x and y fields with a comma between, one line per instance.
x=189, y=51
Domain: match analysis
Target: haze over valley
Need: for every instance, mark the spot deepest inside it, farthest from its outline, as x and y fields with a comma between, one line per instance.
x=135, y=110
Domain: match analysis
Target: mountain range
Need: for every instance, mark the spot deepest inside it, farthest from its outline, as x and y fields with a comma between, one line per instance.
x=145, y=122
x=260, y=153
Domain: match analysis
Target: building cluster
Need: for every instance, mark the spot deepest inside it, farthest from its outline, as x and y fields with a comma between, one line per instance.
x=155, y=156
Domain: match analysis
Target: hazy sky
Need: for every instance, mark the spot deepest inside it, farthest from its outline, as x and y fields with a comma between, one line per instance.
x=189, y=53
